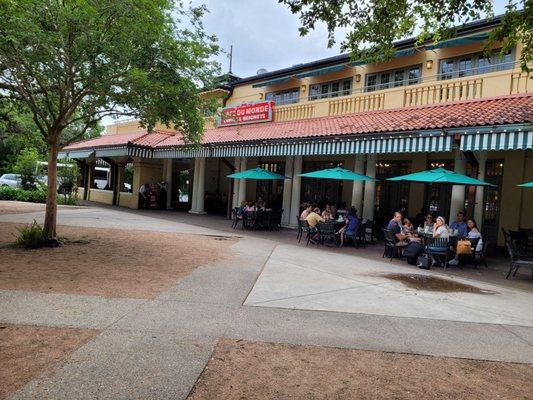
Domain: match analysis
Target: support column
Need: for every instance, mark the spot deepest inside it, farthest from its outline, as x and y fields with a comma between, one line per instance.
x=235, y=197
x=195, y=179
x=242, y=182
x=201, y=187
x=120, y=179
x=478, y=208
x=287, y=192
x=296, y=189
x=370, y=188
x=168, y=180
x=357, y=191
x=458, y=191
x=90, y=181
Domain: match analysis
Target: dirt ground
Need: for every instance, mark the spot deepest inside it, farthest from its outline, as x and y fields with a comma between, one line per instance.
x=27, y=351
x=18, y=207
x=106, y=262
x=254, y=370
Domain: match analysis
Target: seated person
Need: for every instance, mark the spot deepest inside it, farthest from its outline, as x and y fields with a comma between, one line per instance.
x=249, y=207
x=313, y=219
x=459, y=225
x=327, y=214
x=408, y=227
x=428, y=223
x=473, y=233
x=440, y=229
x=351, y=227
x=307, y=210
x=396, y=227
x=260, y=203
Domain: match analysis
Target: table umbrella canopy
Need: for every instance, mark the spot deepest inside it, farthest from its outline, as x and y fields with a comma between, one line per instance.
x=527, y=184
x=337, y=173
x=256, y=173
x=440, y=175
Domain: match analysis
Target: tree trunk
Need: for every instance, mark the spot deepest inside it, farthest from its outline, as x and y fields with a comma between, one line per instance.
x=49, y=232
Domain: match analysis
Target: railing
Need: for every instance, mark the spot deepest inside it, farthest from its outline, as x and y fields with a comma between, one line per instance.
x=355, y=104
x=294, y=112
x=443, y=92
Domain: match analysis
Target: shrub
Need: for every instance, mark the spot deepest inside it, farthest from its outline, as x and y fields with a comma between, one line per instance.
x=28, y=167
x=30, y=236
x=32, y=196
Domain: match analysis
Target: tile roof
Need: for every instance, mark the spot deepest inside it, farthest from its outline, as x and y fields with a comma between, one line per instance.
x=492, y=111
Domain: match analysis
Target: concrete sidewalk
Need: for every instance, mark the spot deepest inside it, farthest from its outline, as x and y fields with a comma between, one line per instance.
x=156, y=349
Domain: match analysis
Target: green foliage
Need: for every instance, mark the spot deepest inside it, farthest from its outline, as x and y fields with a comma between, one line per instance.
x=68, y=175
x=30, y=236
x=373, y=26
x=17, y=132
x=17, y=194
x=27, y=165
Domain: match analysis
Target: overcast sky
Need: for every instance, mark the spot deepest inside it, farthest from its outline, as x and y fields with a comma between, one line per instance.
x=264, y=34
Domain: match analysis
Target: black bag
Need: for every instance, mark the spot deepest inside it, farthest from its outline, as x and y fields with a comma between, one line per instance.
x=423, y=261
x=413, y=250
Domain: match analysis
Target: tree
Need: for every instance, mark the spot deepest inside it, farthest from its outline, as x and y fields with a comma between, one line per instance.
x=28, y=167
x=373, y=26
x=73, y=62
x=68, y=175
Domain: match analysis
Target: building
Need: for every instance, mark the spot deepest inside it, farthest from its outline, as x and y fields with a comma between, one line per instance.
x=443, y=104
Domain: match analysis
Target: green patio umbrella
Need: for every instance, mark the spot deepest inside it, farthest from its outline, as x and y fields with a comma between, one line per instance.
x=337, y=173
x=440, y=175
x=527, y=184
x=256, y=173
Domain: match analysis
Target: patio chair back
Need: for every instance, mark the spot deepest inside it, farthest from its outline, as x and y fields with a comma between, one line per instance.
x=437, y=245
x=512, y=250
x=326, y=231
x=506, y=235
x=390, y=238
x=248, y=219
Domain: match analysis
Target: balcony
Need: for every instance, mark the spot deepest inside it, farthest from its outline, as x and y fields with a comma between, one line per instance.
x=502, y=79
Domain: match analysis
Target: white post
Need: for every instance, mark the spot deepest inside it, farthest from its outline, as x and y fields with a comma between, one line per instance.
x=168, y=180
x=287, y=191
x=296, y=188
x=458, y=191
x=201, y=186
x=194, y=200
x=235, y=199
x=478, y=208
x=370, y=188
x=357, y=191
x=242, y=183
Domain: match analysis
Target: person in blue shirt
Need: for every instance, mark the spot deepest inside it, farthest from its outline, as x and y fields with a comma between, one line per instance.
x=460, y=225
x=352, y=224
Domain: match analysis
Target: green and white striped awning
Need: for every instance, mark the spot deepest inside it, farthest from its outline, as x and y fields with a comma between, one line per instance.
x=321, y=71
x=272, y=82
x=513, y=140
x=86, y=153
x=399, y=144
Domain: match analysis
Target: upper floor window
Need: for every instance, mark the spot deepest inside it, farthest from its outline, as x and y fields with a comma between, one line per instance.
x=398, y=77
x=289, y=96
x=330, y=89
x=473, y=64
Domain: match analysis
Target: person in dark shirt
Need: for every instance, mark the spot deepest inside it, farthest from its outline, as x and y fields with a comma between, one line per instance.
x=395, y=225
x=352, y=224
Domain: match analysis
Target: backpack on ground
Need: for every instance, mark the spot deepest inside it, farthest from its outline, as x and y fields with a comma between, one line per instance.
x=423, y=261
x=412, y=251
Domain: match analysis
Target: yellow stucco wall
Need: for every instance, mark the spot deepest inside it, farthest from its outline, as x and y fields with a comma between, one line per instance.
x=101, y=196
x=128, y=200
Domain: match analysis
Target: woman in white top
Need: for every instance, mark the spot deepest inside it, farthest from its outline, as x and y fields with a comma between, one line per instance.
x=473, y=233
x=440, y=229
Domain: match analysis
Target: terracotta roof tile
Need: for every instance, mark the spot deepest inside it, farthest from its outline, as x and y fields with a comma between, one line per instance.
x=492, y=111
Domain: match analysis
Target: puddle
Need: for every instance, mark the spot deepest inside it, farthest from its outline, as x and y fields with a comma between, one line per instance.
x=435, y=284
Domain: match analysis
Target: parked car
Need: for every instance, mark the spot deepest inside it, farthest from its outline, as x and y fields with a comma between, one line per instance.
x=11, y=180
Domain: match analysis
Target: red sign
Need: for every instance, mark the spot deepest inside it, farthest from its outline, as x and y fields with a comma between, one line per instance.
x=247, y=113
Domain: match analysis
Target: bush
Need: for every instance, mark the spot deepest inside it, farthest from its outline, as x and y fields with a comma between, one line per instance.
x=16, y=194
x=30, y=236
x=28, y=167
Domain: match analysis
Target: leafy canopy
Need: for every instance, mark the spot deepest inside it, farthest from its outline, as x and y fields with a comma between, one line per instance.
x=73, y=62
x=28, y=167
x=374, y=25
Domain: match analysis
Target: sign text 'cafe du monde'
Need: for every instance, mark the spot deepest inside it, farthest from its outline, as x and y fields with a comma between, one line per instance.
x=246, y=113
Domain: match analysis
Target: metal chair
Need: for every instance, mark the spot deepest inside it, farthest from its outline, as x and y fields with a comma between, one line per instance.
x=516, y=260
x=235, y=217
x=438, y=247
x=248, y=220
x=326, y=231
x=360, y=235
x=392, y=245
x=300, y=228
